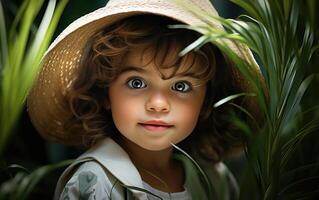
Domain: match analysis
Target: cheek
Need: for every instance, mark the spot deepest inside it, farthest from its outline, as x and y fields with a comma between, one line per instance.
x=188, y=114
x=123, y=110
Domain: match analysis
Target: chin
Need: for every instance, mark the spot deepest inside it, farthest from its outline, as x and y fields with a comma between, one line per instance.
x=156, y=147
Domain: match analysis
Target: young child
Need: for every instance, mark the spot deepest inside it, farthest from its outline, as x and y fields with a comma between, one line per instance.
x=114, y=82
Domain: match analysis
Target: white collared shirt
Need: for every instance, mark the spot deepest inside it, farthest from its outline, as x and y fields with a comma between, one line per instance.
x=104, y=170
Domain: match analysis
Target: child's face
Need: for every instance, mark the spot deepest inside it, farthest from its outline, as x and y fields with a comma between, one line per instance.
x=152, y=112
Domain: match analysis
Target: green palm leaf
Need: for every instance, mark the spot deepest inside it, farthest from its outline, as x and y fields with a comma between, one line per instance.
x=22, y=184
x=283, y=41
x=20, y=57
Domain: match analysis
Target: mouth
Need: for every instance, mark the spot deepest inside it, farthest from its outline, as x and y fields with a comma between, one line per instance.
x=156, y=125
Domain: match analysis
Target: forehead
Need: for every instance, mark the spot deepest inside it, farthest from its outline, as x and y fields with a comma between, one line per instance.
x=166, y=60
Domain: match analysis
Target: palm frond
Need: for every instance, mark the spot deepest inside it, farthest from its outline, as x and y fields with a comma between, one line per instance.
x=283, y=41
x=22, y=184
x=20, y=58
x=231, y=97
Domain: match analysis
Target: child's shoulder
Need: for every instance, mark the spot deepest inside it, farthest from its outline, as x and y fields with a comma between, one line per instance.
x=87, y=180
x=91, y=170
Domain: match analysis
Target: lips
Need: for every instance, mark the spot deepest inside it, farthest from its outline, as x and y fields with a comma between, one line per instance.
x=155, y=125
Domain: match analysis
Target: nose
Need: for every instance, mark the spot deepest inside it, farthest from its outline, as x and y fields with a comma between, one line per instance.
x=158, y=103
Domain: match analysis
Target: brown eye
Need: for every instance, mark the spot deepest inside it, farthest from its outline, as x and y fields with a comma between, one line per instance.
x=182, y=86
x=136, y=83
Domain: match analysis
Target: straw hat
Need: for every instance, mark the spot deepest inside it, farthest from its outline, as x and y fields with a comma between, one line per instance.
x=47, y=106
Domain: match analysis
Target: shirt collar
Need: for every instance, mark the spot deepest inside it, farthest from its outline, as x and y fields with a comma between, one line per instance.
x=112, y=156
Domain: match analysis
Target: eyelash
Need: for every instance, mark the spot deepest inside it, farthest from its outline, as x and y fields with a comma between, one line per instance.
x=142, y=84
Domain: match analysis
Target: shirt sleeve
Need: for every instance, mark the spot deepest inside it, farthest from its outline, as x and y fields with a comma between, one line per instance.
x=89, y=182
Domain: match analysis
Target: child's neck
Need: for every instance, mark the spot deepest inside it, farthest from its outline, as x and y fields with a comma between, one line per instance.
x=143, y=158
x=153, y=165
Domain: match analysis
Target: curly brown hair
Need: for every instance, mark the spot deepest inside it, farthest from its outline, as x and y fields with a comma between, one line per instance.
x=101, y=64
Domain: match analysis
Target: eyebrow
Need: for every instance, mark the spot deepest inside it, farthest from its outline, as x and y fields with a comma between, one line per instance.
x=129, y=68
x=132, y=68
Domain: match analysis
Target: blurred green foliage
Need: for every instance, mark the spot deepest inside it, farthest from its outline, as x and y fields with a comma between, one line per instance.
x=284, y=37
x=22, y=47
